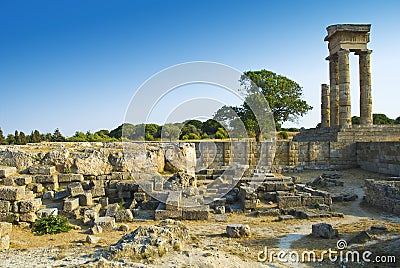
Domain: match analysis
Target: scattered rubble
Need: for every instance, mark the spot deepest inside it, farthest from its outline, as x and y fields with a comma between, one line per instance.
x=238, y=230
x=324, y=230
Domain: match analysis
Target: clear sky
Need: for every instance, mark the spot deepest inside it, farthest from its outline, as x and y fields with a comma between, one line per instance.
x=75, y=65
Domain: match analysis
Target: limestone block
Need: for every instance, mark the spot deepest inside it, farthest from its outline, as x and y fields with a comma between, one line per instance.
x=61, y=194
x=106, y=223
x=45, y=178
x=86, y=199
x=324, y=230
x=8, y=181
x=139, y=197
x=7, y=171
x=12, y=193
x=48, y=195
x=97, y=229
x=23, y=180
x=62, y=178
x=89, y=216
x=104, y=202
x=174, y=200
x=43, y=170
x=112, y=210
x=5, y=228
x=75, y=189
x=289, y=201
x=312, y=200
x=238, y=230
x=26, y=206
x=28, y=217
x=92, y=239
x=5, y=206
x=162, y=214
x=37, y=187
x=124, y=215
x=71, y=204
x=5, y=242
x=196, y=213
x=98, y=191
x=47, y=211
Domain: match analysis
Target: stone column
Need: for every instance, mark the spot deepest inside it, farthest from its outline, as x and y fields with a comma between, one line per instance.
x=325, y=111
x=344, y=89
x=365, y=87
x=334, y=89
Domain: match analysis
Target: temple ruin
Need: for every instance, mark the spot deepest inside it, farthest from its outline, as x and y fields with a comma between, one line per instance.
x=336, y=103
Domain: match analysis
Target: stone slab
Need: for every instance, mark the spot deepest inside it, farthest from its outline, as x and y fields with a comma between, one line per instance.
x=12, y=193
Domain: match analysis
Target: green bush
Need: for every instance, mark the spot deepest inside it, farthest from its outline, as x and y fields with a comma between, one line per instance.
x=51, y=225
x=283, y=135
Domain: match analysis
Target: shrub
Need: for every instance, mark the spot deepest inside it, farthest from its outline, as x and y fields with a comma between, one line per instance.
x=51, y=225
x=283, y=135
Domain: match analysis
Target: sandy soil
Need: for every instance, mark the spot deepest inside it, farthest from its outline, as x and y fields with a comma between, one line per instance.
x=213, y=248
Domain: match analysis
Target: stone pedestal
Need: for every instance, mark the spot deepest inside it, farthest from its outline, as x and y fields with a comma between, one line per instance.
x=325, y=111
x=344, y=89
x=365, y=87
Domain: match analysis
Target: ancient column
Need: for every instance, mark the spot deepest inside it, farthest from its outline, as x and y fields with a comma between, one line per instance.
x=325, y=111
x=365, y=87
x=334, y=89
x=344, y=89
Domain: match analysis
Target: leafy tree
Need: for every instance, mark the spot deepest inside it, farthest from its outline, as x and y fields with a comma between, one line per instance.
x=355, y=120
x=188, y=129
x=35, y=137
x=57, y=136
x=10, y=139
x=221, y=134
x=210, y=126
x=197, y=123
x=22, y=138
x=78, y=137
x=2, y=138
x=382, y=119
x=398, y=120
x=170, y=131
x=193, y=136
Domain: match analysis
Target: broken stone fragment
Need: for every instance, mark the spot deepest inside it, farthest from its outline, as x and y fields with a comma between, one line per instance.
x=324, y=230
x=238, y=230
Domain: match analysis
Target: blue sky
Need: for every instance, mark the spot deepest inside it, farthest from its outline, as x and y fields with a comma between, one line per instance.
x=75, y=65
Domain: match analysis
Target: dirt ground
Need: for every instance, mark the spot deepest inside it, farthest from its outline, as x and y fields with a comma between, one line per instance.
x=212, y=248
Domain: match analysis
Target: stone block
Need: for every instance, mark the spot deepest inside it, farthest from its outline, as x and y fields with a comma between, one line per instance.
x=238, y=230
x=96, y=229
x=98, y=191
x=48, y=195
x=8, y=181
x=174, y=200
x=106, y=223
x=27, y=206
x=324, y=230
x=75, y=189
x=45, y=179
x=28, y=217
x=61, y=194
x=163, y=214
x=289, y=201
x=71, y=204
x=112, y=210
x=5, y=206
x=12, y=193
x=251, y=204
x=85, y=199
x=51, y=186
x=312, y=201
x=62, y=178
x=5, y=242
x=92, y=239
x=119, y=176
x=196, y=213
x=89, y=216
x=103, y=202
x=7, y=171
x=5, y=228
x=37, y=188
x=124, y=215
x=47, y=212
x=23, y=180
x=124, y=194
x=43, y=170
x=140, y=197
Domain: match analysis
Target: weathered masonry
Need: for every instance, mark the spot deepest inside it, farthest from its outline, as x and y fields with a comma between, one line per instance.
x=336, y=103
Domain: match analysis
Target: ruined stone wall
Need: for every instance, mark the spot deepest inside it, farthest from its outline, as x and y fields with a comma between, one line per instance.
x=384, y=195
x=382, y=157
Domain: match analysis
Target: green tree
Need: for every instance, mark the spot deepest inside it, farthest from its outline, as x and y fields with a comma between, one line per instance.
x=2, y=138
x=210, y=127
x=22, y=138
x=10, y=139
x=398, y=120
x=57, y=136
x=382, y=119
x=16, y=137
x=188, y=129
x=35, y=137
x=221, y=134
x=170, y=131
x=283, y=95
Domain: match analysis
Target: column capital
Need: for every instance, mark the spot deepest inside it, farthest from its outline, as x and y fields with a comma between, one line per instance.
x=343, y=52
x=332, y=57
x=364, y=52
